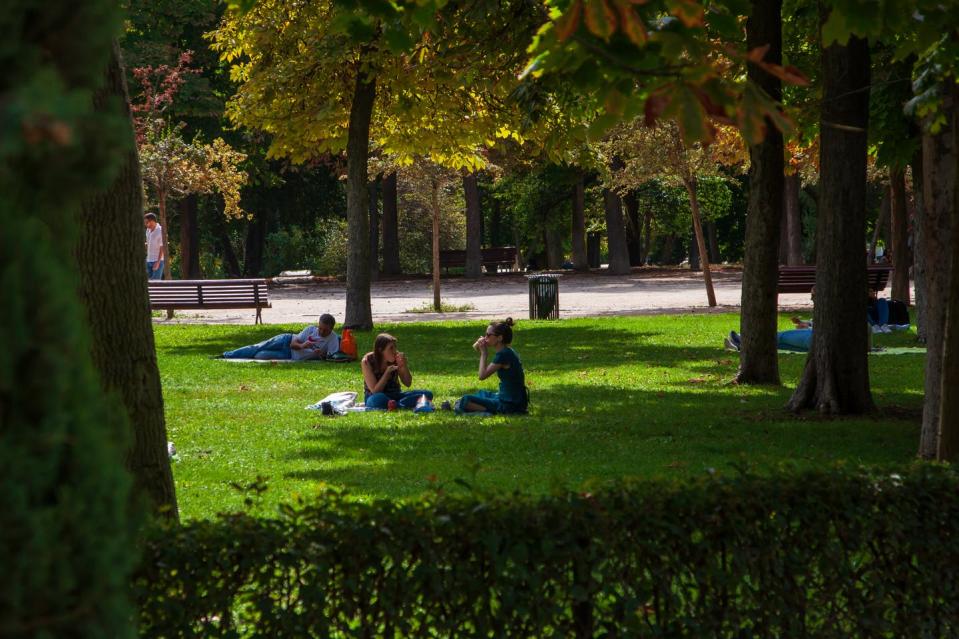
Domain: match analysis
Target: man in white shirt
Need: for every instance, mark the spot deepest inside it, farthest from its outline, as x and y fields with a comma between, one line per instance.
x=156, y=251
x=313, y=342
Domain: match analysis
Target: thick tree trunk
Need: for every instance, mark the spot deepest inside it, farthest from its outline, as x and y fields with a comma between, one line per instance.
x=554, y=249
x=669, y=247
x=939, y=163
x=616, y=234
x=474, y=220
x=836, y=375
x=759, y=359
x=647, y=235
x=700, y=241
x=792, y=214
x=189, y=239
x=694, y=263
x=901, y=255
x=391, y=225
x=712, y=243
x=253, y=247
x=634, y=240
x=359, y=312
x=495, y=223
x=885, y=205
x=374, y=232
x=167, y=254
x=230, y=261
x=948, y=445
x=110, y=258
x=579, y=224
x=919, y=260
x=435, y=206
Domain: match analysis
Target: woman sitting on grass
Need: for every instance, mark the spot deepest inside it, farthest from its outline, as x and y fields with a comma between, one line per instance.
x=383, y=370
x=512, y=396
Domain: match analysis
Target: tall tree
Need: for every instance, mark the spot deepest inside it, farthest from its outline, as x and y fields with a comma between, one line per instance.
x=759, y=359
x=901, y=253
x=110, y=256
x=474, y=219
x=374, y=230
x=836, y=376
x=616, y=233
x=390, y=224
x=579, y=223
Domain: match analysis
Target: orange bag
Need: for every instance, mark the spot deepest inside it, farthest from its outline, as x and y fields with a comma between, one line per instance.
x=348, y=343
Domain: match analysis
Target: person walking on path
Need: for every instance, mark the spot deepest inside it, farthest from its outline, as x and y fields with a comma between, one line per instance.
x=156, y=251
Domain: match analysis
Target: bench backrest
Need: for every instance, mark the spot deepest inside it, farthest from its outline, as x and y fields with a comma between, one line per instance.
x=493, y=255
x=801, y=279
x=187, y=294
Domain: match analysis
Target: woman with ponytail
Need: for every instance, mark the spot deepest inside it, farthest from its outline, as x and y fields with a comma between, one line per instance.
x=512, y=396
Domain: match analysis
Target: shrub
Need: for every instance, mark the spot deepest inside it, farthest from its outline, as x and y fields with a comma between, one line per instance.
x=826, y=554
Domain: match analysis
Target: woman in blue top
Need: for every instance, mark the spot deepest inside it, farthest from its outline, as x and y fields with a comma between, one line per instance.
x=512, y=396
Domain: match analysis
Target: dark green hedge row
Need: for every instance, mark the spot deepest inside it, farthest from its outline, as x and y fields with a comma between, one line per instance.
x=828, y=554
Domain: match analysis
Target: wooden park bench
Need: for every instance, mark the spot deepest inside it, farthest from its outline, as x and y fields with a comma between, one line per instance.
x=800, y=279
x=169, y=295
x=492, y=258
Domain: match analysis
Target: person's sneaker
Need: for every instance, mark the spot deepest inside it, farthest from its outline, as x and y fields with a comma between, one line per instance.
x=446, y=405
x=729, y=345
x=735, y=339
x=458, y=407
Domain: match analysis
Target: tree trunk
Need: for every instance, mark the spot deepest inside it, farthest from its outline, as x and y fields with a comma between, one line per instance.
x=633, y=236
x=167, y=255
x=435, y=205
x=230, y=261
x=901, y=255
x=495, y=223
x=885, y=205
x=374, y=232
x=793, y=217
x=579, y=224
x=359, y=312
x=694, y=263
x=189, y=239
x=669, y=247
x=919, y=266
x=939, y=164
x=616, y=234
x=391, y=234
x=474, y=220
x=110, y=258
x=759, y=359
x=253, y=247
x=836, y=376
x=700, y=241
x=712, y=243
x=554, y=249
x=948, y=445
x=647, y=235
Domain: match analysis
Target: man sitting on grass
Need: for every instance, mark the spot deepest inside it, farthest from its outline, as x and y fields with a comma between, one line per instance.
x=313, y=342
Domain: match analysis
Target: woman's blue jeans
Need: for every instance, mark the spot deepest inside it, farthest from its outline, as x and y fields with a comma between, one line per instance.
x=277, y=347
x=406, y=399
x=491, y=402
x=798, y=339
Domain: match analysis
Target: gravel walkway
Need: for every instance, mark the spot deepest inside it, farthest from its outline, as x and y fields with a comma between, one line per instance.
x=644, y=291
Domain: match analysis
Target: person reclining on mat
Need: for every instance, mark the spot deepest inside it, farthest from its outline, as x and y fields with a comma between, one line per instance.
x=798, y=339
x=313, y=342
x=383, y=370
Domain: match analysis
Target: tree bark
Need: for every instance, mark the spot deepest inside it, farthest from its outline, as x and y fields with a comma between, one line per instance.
x=634, y=237
x=616, y=234
x=110, y=257
x=435, y=205
x=792, y=214
x=391, y=234
x=885, y=205
x=474, y=220
x=700, y=240
x=374, y=232
x=836, y=376
x=253, y=247
x=554, y=249
x=359, y=312
x=919, y=265
x=647, y=235
x=189, y=239
x=165, y=232
x=231, y=263
x=759, y=359
x=948, y=445
x=579, y=224
x=694, y=263
x=939, y=162
x=712, y=243
x=901, y=255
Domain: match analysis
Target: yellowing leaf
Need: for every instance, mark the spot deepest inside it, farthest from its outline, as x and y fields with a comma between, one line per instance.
x=600, y=18
x=690, y=13
x=632, y=24
x=567, y=23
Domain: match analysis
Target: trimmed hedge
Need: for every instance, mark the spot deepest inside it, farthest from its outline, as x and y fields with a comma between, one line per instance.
x=827, y=554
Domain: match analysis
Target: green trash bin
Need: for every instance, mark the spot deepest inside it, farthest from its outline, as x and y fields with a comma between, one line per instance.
x=543, y=297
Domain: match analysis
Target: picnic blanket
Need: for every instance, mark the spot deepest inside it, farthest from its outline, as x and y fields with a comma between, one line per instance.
x=338, y=403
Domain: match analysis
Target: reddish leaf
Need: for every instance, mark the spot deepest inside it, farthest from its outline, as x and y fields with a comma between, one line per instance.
x=788, y=74
x=757, y=54
x=567, y=23
x=600, y=18
x=654, y=107
x=632, y=24
x=690, y=13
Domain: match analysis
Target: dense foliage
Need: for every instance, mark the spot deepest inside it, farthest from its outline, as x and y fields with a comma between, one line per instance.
x=824, y=554
x=65, y=537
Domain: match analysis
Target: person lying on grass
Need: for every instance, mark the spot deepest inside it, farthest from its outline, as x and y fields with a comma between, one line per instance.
x=313, y=342
x=383, y=370
x=512, y=396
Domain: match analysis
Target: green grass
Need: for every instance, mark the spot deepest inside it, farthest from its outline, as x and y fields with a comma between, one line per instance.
x=445, y=307
x=637, y=396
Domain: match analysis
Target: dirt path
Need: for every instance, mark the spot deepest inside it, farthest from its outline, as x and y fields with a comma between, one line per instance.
x=644, y=291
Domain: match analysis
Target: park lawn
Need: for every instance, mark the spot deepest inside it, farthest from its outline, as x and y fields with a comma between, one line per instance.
x=612, y=397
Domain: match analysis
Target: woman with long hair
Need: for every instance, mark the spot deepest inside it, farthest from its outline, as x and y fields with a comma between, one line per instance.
x=512, y=396
x=383, y=370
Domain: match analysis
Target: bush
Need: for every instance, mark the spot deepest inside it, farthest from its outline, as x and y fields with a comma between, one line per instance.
x=828, y=554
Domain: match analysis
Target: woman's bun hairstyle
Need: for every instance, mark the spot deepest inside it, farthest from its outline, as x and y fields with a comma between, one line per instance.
x=504, y=329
